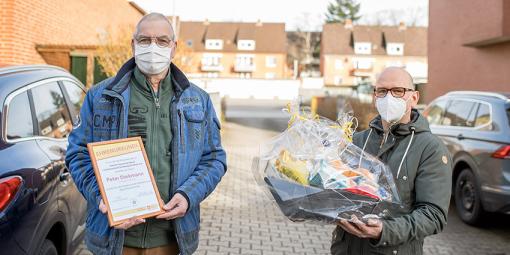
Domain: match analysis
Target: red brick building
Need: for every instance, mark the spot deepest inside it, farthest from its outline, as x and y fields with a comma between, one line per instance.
x=469, y=46
x=60, y=32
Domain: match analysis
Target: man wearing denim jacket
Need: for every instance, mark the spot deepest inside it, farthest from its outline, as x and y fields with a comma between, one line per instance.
x=150, y=97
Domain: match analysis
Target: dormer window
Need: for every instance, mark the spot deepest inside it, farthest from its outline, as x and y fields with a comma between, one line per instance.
x=213, y=44
x=246, y=45
x=395, y=49
x=364, y=48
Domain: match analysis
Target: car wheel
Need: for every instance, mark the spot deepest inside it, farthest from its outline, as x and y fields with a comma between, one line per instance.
x=48, y=248
x=467, y=198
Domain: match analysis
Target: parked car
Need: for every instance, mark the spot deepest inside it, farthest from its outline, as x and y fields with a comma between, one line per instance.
x=475, y=126
x=41, y=210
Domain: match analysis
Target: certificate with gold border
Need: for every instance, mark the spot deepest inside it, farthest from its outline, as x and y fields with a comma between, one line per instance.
x=125, y=179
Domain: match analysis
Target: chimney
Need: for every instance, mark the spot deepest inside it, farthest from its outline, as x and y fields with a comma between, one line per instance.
x=206, y=22
x=259, y=23
x=402, y=26
x=348, y=24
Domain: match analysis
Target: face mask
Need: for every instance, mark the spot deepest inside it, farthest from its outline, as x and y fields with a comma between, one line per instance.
x=152, y=59
x=390, y=108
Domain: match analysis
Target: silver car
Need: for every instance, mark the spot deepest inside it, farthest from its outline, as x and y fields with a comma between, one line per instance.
x=475, y=126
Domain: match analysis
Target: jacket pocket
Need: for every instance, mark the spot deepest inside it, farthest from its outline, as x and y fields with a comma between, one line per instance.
x=95, y=243
x=195, y=127
x=414, y=247
x=190, y=222
x=403, y=185
x=383, y=250
x=195, y=116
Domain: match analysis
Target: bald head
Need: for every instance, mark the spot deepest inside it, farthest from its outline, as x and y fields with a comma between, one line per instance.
x=154, y=24
x=394, y=77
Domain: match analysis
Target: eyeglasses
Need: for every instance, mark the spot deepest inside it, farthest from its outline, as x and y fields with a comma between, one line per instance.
x=161, y=41
x=397, y=92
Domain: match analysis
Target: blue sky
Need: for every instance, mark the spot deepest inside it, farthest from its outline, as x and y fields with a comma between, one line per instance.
x=292, y=12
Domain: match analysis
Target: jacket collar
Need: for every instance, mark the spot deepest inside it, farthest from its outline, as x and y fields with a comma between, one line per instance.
x=418, y=123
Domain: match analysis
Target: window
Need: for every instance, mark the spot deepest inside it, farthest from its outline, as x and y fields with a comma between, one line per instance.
x=483, y=117
x=460, y=113
x=271, y=61
x=214, y=44
x=52, y=115
x=363, y=48
x=76, y=96
x=417, y=69
x=395, y=49
x=79, y=68
x=363, y=63
x=244, y=75
x=244, y=60
x=394, y=63
x=339, y=64
x=19, y=118
x=337, y=80
x=246, y=45
x=211, y=59
x=435, y=112
x=212, y=74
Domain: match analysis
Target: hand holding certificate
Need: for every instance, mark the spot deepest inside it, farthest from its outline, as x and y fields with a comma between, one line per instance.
x=125, y=180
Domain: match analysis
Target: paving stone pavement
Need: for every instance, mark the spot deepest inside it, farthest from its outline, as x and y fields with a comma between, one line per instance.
x=239, y=218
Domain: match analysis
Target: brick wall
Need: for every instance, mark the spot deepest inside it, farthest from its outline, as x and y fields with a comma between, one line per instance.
x=453, y=66
x=6, y=25
x=27, y=23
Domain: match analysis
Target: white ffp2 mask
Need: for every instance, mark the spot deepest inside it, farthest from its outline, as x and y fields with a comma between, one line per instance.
x=152, y=59
x=390, y=108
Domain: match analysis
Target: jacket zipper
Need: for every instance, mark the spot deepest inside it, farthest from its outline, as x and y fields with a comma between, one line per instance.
x=154, y=156
x=181, y=130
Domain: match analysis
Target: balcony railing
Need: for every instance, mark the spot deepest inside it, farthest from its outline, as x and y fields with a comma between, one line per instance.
x=244, y=68
x=361, y=72
x=211, y=68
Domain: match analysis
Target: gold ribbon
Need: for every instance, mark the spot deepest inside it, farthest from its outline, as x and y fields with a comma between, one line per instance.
x=346, y=127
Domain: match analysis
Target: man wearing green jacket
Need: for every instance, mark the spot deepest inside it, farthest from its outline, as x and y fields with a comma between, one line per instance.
x=421, y=167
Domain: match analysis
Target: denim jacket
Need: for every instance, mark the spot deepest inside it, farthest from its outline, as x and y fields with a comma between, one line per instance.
x=198, y=159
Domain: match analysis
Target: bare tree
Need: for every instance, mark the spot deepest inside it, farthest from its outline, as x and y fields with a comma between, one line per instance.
x=411, y=16
x=114, y=49
x=304, y=43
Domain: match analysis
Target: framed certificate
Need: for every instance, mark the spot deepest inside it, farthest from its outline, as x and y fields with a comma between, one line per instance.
x=125, y=179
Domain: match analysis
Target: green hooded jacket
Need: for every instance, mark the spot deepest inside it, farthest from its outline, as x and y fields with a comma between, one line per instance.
x=422, y=170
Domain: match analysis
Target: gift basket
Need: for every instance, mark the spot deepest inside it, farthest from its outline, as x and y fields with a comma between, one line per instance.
x=315, y=173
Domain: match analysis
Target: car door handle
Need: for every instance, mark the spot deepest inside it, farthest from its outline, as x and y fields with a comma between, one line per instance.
x=64, y=176
x=460, y=137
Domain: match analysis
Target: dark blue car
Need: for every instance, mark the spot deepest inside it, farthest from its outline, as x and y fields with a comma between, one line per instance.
x=41, y=210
